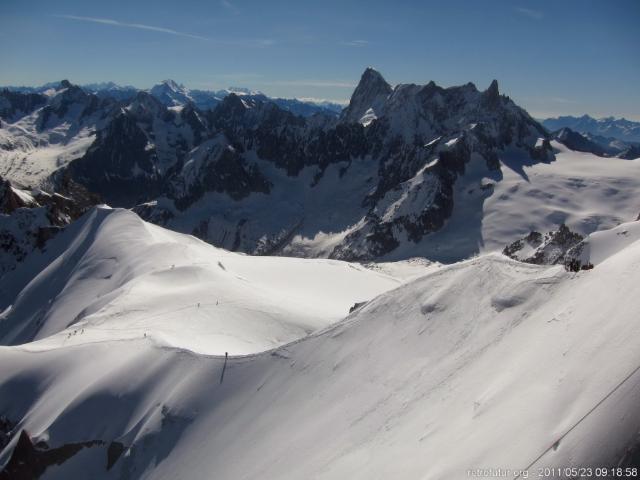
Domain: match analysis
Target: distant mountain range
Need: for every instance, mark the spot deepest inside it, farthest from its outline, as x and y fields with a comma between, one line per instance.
x=172, y=94
x=608, y=127
x=250, y=174
x=606, y=137
x=596, y=144
x=399, y=167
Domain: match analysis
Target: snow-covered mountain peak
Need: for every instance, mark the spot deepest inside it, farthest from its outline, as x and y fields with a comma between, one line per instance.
x=68, y=92
x=169, y=93
x=173, y=85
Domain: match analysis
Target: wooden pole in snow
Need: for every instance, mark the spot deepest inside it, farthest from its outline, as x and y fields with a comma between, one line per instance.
x=224, y=367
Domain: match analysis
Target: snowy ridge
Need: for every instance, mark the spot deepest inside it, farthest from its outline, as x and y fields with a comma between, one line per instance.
x=113, y=276
x=445, y=372
x=599, y=246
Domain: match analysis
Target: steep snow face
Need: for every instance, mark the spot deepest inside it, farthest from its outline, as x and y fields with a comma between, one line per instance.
x=446, y=373
x=599, y=246
x=113, y=276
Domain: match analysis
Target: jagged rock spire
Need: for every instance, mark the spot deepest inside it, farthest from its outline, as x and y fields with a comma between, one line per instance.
x=492, y=94
x=370, y=93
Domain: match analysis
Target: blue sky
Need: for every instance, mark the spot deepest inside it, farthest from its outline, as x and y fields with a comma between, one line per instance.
x=552, y=57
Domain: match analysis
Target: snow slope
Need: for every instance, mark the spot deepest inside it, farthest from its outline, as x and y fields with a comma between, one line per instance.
x=488, y=363
x=492, y=209
x=600, y=245
x=113, y=276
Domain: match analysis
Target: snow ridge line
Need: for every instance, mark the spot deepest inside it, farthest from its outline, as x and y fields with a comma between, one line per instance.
x=555, y=444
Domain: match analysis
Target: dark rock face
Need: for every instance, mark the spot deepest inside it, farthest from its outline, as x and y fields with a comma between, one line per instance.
x=16, y=103
x=558, y=247
x=492, y=95
x=118, y=166
x=6, y=427
x=227, y=173
x=75, y=105
x=29, y=219
x=29, y=461
x=134, y=155
x=630, y=153
x=114, y=452
x=578, y=142
x=371, y=92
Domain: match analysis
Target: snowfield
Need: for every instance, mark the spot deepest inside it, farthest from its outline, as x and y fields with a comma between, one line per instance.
x=30, y=154
x=112, y=276
x=487, y=363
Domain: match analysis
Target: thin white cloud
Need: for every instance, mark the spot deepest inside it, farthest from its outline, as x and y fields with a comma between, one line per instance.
x=230, y=6
x=139, y=26
x=535, y=14
x=340, y=101
x=356, y=43
x=312, y=83
x=169, y=31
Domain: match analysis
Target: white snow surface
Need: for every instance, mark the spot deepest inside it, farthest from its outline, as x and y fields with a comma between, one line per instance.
x=34, y=146
x=488, y=363
x=601, y=245
x=113, y=276
x=28, y=156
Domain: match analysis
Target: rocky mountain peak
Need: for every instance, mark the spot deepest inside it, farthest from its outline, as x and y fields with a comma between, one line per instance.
x=145, y=103
x=492, y=93
x=371, y=78
x=232, y=104
x=370, y=94
x=169, y=93
x=171, y=84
